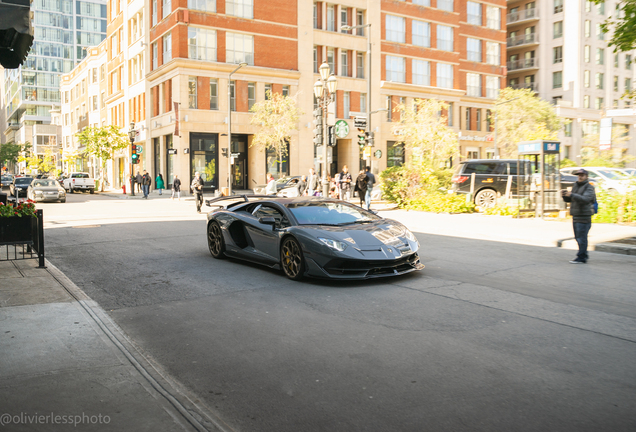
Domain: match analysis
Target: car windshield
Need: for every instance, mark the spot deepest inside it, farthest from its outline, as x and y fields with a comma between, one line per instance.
x=614, y=175
x=330, y=213
x=7, y=178
x=23, y=180
x=80, y=175
x=44, y=183
x=283, y=180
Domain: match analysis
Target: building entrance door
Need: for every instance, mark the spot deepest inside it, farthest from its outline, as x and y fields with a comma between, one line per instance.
x=239, y=168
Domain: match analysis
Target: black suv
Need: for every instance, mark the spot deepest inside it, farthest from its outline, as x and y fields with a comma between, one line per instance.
x=491, y=177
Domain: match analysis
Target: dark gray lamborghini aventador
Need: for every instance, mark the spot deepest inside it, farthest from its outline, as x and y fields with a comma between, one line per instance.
x=308, y=236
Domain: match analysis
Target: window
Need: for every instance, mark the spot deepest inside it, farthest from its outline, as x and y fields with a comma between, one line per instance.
x=600, y=34
x=346, y=102
x=467, y=120
x=155, y=57
x=600, y=78
x=154, y=13
x=285, y=90
x=192, y=92
x=567, y=129
x=395, y=29
x=444, y=38
x=201, y=44
x=628, y=84
x=493, y=17
x=444, y=75
x=600, y=56
x=239, y=48
x=359, y=65
x=557, y=54
x=344, y=19
x=421, y=72
x=94, y=103
x=202, y=5
x=344, y=62
x=616, y=60
x=557, y=29
x=598, y=103
x=268, y=91
x=446, y=5
x=315, y=16
x=615, y=83
x=113, y=44
x=558, y=6
x=493, y=53
x=331, y=59
x=588, y=28
x=473, y=49
x=232, y=96
x=628, y=61
x=421, y=33
x=615, y=104
x=251, y=95
x=586, y=101
x=214, y=94
x=394, y=154
x=395, y=69
x=166, y=8
x=331, y=18
x=167, y=48
x=586, y=78
x=557, y=79
x=473, y=84
x=240, y=8
x=450, y=114
x=478, y=119
x=587, y=53
x=600, y=8
x=588, y=6
x=363, y=102
x=493, y=85
x=474, y=13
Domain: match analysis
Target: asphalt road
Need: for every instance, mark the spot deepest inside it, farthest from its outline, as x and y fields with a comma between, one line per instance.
x=489, y=337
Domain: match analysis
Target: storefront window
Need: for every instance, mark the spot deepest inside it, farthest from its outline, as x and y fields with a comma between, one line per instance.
x=394, y=154
x=204, y=158
x=277, y=166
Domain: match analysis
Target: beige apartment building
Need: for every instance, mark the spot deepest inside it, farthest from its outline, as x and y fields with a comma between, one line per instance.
x=557, y=48
x=168, y=71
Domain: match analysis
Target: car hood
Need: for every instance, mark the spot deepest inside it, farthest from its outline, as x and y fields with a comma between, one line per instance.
x=365, y=236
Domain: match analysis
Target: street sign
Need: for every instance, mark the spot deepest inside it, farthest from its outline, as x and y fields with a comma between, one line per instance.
x=366, y=154
x=140, y=149
x=360, y=122
x=172, y=151
x=378, y=154
x=342, y=129
x=620, y=112
x=605, y=134
x=235, y=155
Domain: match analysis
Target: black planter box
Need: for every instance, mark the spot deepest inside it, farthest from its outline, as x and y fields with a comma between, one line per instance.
x=18, y=230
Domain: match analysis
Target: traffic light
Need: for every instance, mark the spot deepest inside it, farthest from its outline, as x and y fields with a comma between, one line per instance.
x=362, y=137
x=135, y=155
x=224, y=152
x=331, y=141
x=318, y=130
x=370, y=139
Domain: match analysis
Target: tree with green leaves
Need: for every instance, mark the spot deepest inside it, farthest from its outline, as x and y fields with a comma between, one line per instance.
x=102, y=143
x=616, y=156
x=9, y=153
x=277, y=116
x=42, y=164
x=524, y=118
x=622, y=26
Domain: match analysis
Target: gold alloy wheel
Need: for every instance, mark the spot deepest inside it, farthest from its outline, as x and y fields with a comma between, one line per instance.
x=292, y=259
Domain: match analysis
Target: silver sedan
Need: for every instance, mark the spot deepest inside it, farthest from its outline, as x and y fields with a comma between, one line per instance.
x=46, y=190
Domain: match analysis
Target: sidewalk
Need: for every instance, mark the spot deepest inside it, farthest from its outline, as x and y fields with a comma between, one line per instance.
x=64, y=363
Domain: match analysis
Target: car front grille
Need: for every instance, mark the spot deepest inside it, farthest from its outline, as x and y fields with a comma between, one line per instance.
x=362, y=268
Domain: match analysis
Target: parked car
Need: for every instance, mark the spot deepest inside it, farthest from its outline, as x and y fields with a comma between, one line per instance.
x=630, y=171
x=46, y=190
x=79, y=181
x=491, y=178
x=7, y=179
x=19, y=186
x=609, y=179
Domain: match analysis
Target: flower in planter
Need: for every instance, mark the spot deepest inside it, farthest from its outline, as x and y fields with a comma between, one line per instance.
x=26, y=209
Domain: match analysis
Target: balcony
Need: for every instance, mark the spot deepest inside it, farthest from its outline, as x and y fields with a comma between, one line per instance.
x=524, y=15
x=532, y=86
x=530, y=63
x=523, y=40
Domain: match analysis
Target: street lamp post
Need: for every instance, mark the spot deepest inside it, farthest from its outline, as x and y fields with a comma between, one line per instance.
x=131, y=136
x=229, y=129
x=325, y=92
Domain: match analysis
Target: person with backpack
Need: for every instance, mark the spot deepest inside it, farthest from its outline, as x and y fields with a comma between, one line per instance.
x=146, y=181
x=176, y=188
x=582, y=199
x=197, y=190
x=361, y=186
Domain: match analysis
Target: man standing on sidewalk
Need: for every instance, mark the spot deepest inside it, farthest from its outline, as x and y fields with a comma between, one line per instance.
x=145, y=183
x=370, y=183
x=581, y=198
x=197, y=190
x=312, y=182
x=138, y=180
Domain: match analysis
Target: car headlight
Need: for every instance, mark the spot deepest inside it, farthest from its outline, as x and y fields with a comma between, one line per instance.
x=409, y=235
x=334, y=244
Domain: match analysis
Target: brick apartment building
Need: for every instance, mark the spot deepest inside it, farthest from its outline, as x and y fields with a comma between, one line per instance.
x=168, y=72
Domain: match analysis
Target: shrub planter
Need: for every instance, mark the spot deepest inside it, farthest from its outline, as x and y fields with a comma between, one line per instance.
x=18, y=230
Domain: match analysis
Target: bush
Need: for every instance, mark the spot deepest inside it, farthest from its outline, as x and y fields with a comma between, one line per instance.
x=500, y=210
x=613, y=208
x=439, y=202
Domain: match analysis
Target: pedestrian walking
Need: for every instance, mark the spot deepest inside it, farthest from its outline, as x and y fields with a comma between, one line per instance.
x=138, y=180
x=146, y=181
x=345, y=184
x=302, y=185
x=361, y=186
x=176, y=188
x=197, y=190
x=312, y=182
x=270, y=189
x=370, y=183
x=336, y=181
x=160, y=184
x=581, y=198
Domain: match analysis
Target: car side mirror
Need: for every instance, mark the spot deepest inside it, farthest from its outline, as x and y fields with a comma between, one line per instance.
x=267, y=220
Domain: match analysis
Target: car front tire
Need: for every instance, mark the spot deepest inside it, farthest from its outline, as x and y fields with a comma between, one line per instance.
x=291, y=259
x=216, y=243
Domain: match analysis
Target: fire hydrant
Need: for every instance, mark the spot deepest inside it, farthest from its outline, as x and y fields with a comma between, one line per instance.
x=124, y=189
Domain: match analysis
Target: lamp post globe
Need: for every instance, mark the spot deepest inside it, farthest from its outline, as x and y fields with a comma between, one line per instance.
x=332, y=83
x=318, y=89
x=324, y=70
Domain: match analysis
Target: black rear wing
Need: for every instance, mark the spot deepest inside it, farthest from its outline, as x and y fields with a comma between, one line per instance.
x=244, y=198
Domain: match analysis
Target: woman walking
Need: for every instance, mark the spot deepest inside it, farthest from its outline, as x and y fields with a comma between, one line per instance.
x=361, y=186
x=176, y=188
x=160, y=184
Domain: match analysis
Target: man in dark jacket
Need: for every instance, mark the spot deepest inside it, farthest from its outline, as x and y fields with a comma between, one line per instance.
x=302, y=185
x=145, y=183
x=581, y=198
x=197, y=190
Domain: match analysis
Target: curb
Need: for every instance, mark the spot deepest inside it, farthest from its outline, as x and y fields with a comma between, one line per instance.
x=617, y=248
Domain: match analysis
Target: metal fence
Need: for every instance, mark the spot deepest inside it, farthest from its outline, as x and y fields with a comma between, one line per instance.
x=27, y=249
